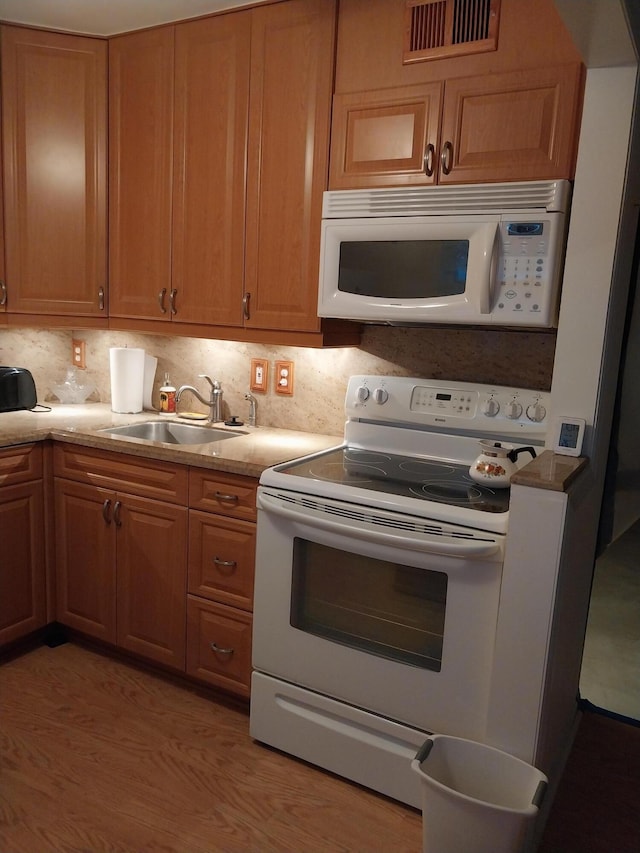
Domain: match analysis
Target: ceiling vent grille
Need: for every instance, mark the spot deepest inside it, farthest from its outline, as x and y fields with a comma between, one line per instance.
x=436, y=29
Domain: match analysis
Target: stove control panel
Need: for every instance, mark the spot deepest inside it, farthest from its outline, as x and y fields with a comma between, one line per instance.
x=456, y=405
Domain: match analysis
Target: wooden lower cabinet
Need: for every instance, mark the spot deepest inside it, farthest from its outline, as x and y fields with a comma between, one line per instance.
x=22, y=566
x=219, y=645
x=122, y=558
x=222, y=548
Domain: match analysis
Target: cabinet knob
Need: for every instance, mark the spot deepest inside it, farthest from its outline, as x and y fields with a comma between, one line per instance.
x=220, y=651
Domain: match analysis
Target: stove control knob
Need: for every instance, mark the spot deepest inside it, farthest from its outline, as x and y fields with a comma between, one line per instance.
x=491, y=407
x=362, y=394
x=380, y=396
x=514, y=410
x=536, y=412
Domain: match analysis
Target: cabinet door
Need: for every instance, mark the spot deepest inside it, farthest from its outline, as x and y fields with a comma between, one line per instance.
x=140, y=173
x=519, y=126
x=212, y=92
x=54, y=128
x=292, y=49
x=22, y=567
x=152, y=579
x=219, y=645
x=385, y=138
x=86, y=558
x=222, y=554
x=3, y=286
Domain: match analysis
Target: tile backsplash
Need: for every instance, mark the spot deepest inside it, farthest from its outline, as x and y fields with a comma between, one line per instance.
x=500, y=357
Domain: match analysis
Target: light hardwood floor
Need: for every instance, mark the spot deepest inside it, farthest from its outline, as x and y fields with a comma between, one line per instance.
x=97, y=755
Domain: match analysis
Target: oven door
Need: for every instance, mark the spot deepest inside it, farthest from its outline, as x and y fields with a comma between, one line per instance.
x=390, y=613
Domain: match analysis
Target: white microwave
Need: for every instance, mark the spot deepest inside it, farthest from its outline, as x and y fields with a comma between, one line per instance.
x=488, y=254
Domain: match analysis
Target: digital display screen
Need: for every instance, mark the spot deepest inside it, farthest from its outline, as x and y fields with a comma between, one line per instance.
x=569, y=435
x=525, y=229
x=443, y=396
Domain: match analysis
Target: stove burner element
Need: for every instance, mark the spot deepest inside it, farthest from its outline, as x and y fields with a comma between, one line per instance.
x=365, y=457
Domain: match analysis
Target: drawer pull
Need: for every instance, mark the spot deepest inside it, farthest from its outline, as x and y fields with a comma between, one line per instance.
x=219, y=651
x=224, y=564
x=116, y=513
x=230, y=499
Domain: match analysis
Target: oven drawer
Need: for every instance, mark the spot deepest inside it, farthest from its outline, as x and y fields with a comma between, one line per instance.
x=221, y=559
x=219, y=645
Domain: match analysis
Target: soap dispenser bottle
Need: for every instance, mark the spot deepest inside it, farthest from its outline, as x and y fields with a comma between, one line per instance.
x=167, y=397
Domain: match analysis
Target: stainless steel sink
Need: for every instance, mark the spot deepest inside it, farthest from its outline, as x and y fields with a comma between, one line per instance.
x=169, y=432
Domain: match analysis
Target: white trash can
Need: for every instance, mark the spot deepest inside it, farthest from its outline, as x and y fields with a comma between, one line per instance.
x=476, y=799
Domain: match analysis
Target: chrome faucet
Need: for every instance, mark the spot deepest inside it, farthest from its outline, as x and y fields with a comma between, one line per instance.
x=215, y=399
x=252, y=408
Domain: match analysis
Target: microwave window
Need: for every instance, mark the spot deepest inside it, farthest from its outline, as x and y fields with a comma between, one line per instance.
x=403, y=269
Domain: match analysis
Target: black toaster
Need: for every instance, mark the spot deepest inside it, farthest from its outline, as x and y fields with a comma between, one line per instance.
x=17, y=389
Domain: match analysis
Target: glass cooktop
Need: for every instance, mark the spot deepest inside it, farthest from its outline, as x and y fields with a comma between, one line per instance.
x=443, y=482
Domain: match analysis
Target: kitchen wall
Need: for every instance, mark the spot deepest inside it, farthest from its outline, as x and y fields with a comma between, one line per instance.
x=500, y=357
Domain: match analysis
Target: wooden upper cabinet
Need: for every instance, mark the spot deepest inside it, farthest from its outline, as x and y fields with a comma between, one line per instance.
x=212, y=101
x=292, y=51
x=510, y=114
x=54, y=105
x=386, y=137
x=140, y=173
x=3, y=286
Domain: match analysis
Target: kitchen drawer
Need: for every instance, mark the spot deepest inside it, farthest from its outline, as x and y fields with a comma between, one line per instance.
x=20, y=464
x=147, y=478
x=227, y=494
x=227, y=629
x=221, y=558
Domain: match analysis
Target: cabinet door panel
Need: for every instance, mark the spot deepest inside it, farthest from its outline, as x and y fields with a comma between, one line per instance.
x=22, y=567
x=222, y=555
x=291, y=82
x=86, y=559
x=140, y=173
x=152, y=573
x=517, y=126
x=381, y=138
x=219, y=645
x=212, y=102
x=54, y=126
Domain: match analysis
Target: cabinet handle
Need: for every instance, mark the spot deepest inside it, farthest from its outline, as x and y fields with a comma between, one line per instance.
x=116, y=513
x=3, y=293
x=245, y=306
x=224, y=564
x=220, y=496
x=161, y=297
x=446, y=157
x=219, y=651
x=101, y=298
x=106, y=506
x=427, y=162
x=172, y=301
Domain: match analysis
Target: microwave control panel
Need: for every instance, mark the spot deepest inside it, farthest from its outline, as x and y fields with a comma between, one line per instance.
x=528, y=272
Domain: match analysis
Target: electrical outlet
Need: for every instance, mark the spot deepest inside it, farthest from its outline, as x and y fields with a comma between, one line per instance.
x=284, y=377
x=259, y=374
x=78, y=354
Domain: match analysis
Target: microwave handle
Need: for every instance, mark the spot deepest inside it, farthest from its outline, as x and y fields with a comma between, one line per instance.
x=486, y=293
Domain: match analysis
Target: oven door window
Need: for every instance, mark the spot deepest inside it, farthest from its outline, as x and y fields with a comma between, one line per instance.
x=382, y=608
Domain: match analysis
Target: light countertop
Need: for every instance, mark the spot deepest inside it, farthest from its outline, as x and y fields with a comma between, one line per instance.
x=248, y=454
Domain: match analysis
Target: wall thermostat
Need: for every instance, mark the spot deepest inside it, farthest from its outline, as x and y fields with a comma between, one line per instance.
x=568, y=435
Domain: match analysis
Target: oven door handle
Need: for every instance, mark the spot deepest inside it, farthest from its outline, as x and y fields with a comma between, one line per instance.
x=429, y=543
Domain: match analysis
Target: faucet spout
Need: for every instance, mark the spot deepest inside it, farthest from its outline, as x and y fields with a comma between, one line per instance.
x=215, y=399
